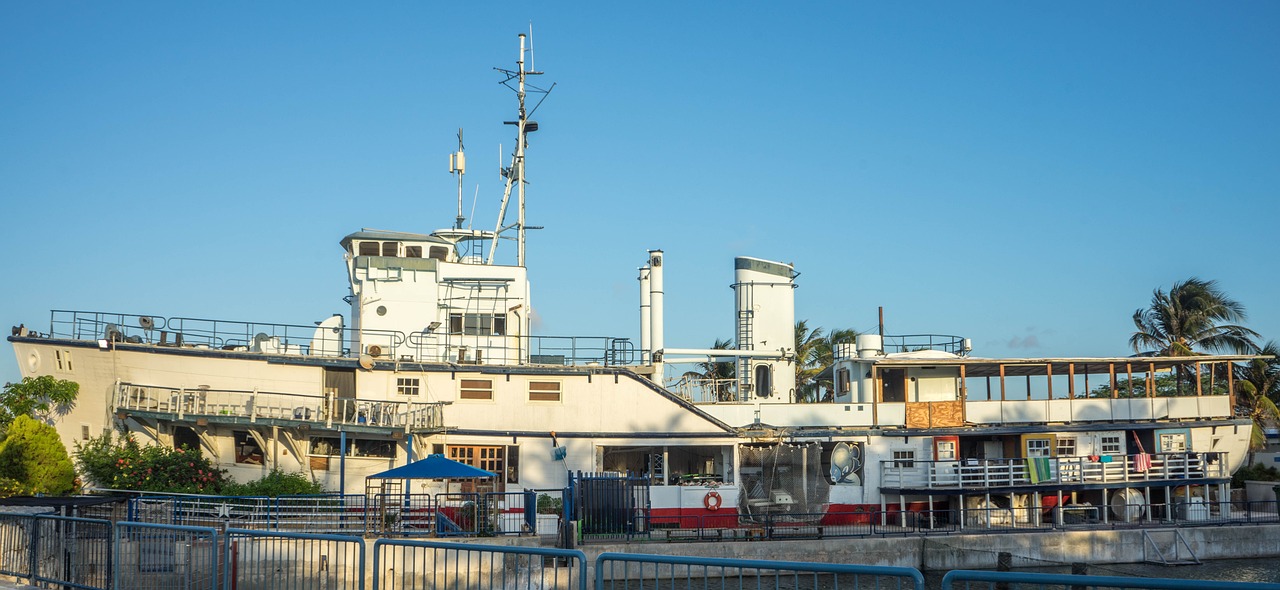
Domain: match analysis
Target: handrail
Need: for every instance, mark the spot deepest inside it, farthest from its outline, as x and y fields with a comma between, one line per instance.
x=988, y=473
x=311, y=340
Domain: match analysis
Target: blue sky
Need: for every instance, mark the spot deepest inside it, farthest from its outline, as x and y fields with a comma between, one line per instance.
x=1023, y=174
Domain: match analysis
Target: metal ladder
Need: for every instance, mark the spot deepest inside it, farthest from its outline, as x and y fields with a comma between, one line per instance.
x=745, y=337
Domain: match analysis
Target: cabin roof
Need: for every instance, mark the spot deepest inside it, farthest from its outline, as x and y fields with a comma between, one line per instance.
x=396, y=236
x=984, y=367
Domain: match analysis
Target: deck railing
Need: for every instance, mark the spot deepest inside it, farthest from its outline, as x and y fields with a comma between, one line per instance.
x=251, y=406
x=995, y=473
x=310, y=340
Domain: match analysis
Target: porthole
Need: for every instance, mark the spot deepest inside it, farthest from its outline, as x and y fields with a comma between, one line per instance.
x=33, y=361
x=382, y=310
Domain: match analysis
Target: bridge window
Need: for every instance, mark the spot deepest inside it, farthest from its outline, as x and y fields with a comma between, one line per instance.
x=369, y=248
x=390, y=248
x=440, y=253
x=477, y=324
x=413, y=251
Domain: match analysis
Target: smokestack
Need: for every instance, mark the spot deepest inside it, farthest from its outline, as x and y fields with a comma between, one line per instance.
x=646, y=325
x=655, y=310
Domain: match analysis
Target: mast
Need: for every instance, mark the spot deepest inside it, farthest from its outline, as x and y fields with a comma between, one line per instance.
x=519, y=159
x=515, y=173
x=458, y=165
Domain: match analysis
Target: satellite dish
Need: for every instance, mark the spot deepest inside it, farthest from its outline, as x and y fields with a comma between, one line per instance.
x=366, y=362
x=146, y=322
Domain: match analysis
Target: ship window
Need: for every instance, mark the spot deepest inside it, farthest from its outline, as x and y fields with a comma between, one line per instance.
x=1066, y=447
x=247, y=450
x=477, y=324
x=413, y=251
x=356, y=447
x=487, y=458
x=544, y=391
x=1038, y=447
x=764, y=381
x=842, y=381
x=1173, y=443
x=369, y=248
x=894, y=382
x=476, y=389
x=1111, y=445
x=407, y=385
x=904, y=459
x=84, y=432
x=513, y=464
x=440, y=253
x=390, y=248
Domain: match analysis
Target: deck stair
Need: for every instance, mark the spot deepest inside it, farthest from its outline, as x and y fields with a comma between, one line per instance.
x=1179, y=546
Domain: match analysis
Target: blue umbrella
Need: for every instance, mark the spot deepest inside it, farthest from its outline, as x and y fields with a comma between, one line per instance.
x=434, y=467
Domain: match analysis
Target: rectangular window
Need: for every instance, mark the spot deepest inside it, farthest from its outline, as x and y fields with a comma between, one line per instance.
x=247, y=450
x=1111, y=445
x=904, y=459
x=413, y=251
x=1173, y=443
x=544, y=391
x=84, y=432
x=390, y=248
x=1066, y=447
x=487, y=458
x=477, y=324
x=369, y=248
x=407, y=385
x=842, y=381
x=356, y=447
x=1038, y=447
x=513, y=464
x=476, y=389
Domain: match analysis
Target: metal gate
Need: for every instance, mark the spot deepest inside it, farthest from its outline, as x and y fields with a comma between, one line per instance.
x=609, y=505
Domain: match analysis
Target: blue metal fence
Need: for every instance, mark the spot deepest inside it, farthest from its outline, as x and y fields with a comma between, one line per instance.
x=262, y=560
x=626, y=571
x=16, y=547
x=71, y=552
x=434, y=565
x=166, y=557
x=979, y=580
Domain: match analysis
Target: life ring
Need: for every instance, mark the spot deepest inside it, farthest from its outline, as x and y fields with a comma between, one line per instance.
x=712, y=501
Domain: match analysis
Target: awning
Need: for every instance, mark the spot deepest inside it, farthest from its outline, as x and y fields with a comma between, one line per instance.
x=434, y=467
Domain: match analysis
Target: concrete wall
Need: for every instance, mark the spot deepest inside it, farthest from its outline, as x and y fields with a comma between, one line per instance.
x=980, y=551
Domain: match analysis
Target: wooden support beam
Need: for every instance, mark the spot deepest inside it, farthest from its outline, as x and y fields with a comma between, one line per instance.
x=1001, y=382
x=1048, y=372
x=1071, y=380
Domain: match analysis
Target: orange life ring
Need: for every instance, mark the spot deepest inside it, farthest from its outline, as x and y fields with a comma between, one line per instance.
x=712, y=501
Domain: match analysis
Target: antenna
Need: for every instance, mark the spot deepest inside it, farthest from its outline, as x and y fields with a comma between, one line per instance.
x=458, y=165
x=531, y=66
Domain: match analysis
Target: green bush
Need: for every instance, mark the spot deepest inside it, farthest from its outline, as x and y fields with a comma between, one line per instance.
x=126, y=465
x=32, y=454
x=1255, y=472
x=276, y=483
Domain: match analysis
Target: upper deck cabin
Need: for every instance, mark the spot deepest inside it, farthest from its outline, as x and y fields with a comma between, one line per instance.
x=930, y=383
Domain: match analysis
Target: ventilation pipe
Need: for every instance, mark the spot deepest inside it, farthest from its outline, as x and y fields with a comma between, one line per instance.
x=645, y=352
x=655, y=312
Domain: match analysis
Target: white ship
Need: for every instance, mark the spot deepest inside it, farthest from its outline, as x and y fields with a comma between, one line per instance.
x=437, y=356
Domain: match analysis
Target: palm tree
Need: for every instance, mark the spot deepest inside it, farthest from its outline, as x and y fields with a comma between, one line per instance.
x=1195, y=313
x=1257, y=390
x=809, y=344
x=718, y=376
x=815, y=353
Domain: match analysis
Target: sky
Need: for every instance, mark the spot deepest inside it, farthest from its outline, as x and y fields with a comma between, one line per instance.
x=1022, y=174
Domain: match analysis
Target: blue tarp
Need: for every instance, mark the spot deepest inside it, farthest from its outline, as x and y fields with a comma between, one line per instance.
x=434, y=467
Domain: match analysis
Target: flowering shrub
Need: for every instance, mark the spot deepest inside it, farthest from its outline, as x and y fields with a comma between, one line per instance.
x=276, y=483
x=126, y=465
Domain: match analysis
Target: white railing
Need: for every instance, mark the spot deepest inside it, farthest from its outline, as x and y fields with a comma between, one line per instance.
x=256, y=405
x=995, y=473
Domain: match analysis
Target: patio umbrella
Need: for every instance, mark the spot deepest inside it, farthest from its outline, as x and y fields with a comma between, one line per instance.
x=434, y=467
